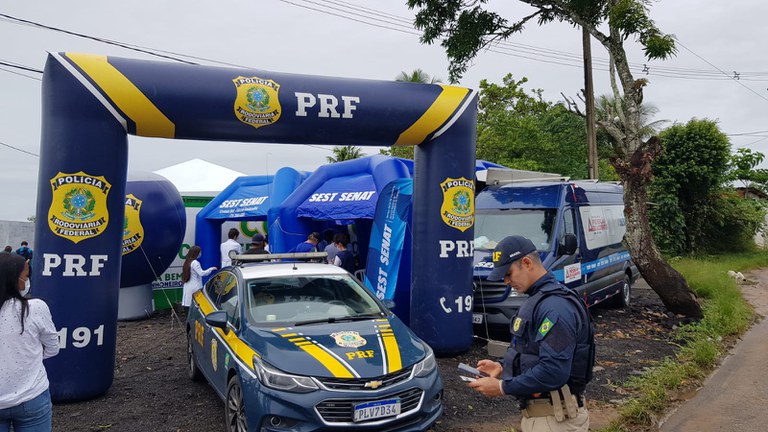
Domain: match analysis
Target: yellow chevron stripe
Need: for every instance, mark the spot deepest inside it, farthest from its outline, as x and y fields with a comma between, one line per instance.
x=150, y=121
x=331, y=363
x=394, y=360
x=436, y=115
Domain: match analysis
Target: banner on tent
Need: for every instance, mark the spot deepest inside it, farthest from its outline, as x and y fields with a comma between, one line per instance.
x=341, y=198
x=387, y=238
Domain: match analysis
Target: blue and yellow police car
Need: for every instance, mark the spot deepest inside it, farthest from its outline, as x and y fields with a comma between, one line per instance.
x=303, y=346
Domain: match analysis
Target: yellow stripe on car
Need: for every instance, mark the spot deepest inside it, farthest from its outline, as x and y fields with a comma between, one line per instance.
x=240, y=349
x=394, y=360
x=337, y=368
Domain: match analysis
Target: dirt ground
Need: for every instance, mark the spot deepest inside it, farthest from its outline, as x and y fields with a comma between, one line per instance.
x=151, y=391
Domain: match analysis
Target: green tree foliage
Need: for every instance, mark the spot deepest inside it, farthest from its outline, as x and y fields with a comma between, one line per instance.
x=523, y=131
x=464, y=28
x=694, y=212
x=744, y=169
x=344, y=153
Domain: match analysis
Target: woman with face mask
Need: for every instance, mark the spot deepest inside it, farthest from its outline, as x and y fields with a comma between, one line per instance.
x=27, y=336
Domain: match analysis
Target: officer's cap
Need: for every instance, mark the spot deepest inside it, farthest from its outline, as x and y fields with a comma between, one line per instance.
x=507, y=251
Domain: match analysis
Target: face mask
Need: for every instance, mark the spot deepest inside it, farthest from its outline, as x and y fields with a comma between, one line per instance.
x=26, y=288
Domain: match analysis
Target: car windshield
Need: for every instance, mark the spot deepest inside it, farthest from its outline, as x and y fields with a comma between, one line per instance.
x=308, y=299
x=492, y=225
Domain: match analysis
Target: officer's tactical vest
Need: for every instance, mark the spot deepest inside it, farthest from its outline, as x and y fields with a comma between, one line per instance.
x=523, y=354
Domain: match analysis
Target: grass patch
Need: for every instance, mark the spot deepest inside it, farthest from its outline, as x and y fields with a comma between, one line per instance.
x=726, y=313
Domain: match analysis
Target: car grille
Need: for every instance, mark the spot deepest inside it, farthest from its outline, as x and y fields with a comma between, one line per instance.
x=342, y=410
x=359, y=383
x=490, y=292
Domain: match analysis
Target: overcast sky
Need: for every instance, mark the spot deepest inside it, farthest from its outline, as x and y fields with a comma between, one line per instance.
x=718, y=40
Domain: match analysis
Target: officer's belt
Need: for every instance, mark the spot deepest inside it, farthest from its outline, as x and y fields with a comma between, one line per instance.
x=560, y=404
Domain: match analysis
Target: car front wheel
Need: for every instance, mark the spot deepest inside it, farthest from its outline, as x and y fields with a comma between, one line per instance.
x=233, y=407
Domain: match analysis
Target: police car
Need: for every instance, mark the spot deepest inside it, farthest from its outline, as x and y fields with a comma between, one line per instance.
x=303, y=346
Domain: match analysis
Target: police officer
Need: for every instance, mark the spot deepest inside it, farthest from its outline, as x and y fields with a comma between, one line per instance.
x=550, y=359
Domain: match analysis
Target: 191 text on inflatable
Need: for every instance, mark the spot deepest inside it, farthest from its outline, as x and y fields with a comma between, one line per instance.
x=91, y=103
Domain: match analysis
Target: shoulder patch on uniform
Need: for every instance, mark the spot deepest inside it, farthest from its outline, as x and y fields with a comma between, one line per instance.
x=516, y=324
x=546, y=326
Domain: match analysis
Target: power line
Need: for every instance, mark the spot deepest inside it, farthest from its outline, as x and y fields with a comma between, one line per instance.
x=19, y=74
x=342, y=9
x=721, y=71
x=94, y=38
x=18, y=149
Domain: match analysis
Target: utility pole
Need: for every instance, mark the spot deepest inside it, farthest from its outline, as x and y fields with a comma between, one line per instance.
x=589, y=99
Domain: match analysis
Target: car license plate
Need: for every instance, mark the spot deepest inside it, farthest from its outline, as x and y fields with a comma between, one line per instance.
x=377, y=409
x=477, y=318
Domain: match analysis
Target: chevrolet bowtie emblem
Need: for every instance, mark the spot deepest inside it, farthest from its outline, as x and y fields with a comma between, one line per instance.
x=373, y=384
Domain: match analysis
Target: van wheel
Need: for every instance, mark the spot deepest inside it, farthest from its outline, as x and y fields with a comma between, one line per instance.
x=622, y=299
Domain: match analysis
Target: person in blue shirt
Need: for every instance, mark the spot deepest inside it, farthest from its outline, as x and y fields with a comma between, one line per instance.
x=309, y=245
x=550, y=360
x=343, y=258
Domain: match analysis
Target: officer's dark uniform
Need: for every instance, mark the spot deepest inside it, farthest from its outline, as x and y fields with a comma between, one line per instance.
x=552, y=344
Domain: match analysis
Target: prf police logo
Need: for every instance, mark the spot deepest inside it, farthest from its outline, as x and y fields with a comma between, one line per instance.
x=79, y=207
x=133, y=231
x=458, y=209
x=349, y=339
x=257, y=103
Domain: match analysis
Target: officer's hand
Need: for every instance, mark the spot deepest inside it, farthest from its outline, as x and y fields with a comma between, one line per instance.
x=489, y=387
x=490, y=368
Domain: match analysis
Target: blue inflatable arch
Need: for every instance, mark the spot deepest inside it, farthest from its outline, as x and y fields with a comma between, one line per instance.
x=91, y=103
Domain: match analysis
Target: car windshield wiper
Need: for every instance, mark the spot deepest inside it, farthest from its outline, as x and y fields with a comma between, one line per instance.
x=331, y=320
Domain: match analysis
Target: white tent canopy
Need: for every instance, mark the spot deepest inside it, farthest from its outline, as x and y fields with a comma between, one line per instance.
x=199, y=177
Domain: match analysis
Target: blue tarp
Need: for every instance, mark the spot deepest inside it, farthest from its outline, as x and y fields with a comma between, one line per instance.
x=340, y=198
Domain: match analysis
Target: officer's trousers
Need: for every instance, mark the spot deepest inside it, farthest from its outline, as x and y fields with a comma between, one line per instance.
x=549, y=424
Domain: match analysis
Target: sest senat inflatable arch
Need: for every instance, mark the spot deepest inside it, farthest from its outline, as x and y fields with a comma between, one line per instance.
x=91, y=103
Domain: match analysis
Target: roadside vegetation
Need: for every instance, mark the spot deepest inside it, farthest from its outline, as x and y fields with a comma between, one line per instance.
x=703, y=343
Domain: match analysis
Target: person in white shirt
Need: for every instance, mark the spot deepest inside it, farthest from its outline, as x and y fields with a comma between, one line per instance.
x=192, y=274
x=27, y=336
x=230, y=245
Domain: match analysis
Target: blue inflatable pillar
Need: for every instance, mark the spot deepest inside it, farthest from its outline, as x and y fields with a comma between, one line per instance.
x=443, y=228
x=79, y=232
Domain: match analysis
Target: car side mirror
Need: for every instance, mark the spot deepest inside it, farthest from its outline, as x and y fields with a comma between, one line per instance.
x=569, y=244
x=217, y=319
x=389, y=303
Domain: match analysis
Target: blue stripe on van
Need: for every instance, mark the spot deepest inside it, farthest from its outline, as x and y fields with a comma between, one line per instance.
x=593, y=266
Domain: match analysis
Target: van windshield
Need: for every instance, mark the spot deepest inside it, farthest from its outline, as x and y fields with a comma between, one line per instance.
x=492, y=225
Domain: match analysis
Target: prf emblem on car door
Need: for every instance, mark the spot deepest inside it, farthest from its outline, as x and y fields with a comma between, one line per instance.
x=214, y=354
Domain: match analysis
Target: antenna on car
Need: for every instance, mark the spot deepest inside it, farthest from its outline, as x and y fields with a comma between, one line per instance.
x=292, y=256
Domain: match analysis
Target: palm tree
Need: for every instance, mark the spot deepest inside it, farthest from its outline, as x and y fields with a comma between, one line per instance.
x=345, y=153
x=609, y=114
x=417, y=76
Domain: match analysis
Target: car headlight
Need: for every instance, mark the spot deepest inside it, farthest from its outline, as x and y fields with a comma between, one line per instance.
x=426, y=366
x=278, y=380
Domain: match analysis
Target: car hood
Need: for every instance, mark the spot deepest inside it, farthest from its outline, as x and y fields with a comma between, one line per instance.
x=357, y=349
